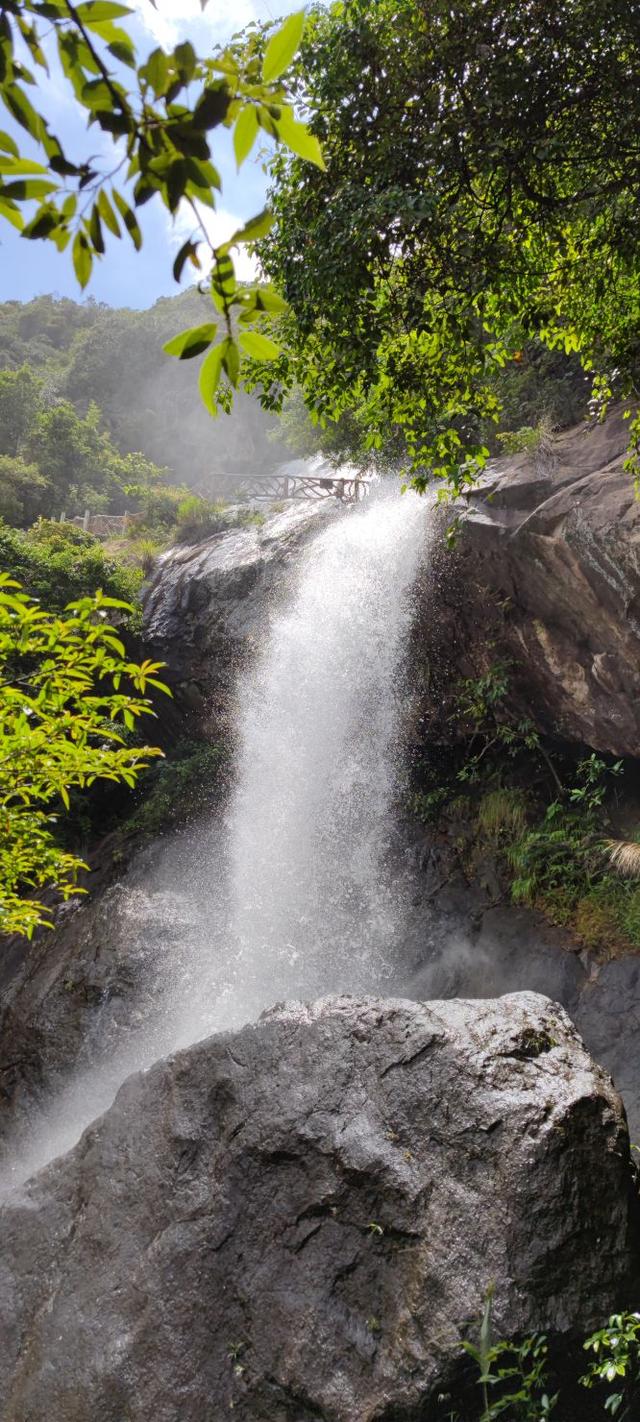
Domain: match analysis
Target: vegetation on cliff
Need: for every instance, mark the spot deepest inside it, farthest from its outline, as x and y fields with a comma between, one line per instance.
x=479, y=193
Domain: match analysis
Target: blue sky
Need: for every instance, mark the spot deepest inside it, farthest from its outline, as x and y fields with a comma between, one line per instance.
x=124, y=277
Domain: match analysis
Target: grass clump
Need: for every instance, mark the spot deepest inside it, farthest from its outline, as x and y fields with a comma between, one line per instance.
x=502, y=812
x=529, y=439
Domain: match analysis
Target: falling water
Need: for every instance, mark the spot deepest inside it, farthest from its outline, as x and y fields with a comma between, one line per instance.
x=319, y=728
x=293, y=894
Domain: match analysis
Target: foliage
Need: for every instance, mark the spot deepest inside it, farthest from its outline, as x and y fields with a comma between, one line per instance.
x=616, y=1359
x=57, y=564
x=156, y=118
x=480, y=194
x=22, y=490
x=147, y=552
x=68, y=698
x=542, y=817
x=484, y=713
x=59, y=461
x=529, y=439
x=176, y=788
x=512, y=1375
x=198, y=518
x=501, y=812
x=89, y=354
x=20, y=399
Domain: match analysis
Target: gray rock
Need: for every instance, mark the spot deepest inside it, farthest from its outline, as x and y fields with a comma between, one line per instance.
x=548, y=576
x=300, y=1220
x=207, y=605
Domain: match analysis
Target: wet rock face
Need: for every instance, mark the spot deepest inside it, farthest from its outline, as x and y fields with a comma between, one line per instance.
x=549, y=568
x=207, y=605
x=299, y=1220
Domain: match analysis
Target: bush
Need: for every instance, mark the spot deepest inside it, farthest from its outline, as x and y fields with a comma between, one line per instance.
x=198, y=518
x=58, y=563
x=529, y=439
x=22, y=490
x=177, y=788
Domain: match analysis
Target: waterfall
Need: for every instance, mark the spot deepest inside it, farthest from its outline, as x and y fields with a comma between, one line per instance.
x=291, y=894
x=319, y=723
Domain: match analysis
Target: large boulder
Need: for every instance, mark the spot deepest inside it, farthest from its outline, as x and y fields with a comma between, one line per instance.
x=300, y=1220
x=547, y=575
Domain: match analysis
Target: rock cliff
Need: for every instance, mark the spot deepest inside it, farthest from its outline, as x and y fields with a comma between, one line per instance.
x=300, y=1220
x=547, y=575
x=207, y=605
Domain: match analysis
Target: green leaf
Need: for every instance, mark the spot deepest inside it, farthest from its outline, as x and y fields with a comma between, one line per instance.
x=97, y=10
x=231, y=360
x=96, y=95
x=297, y=137
x=128, y=219
x=124, y=52
x=185, y=57
x=244, y=133
x=258, y=347
x=223, y=276
x=12, y=214
x=282, y=47
x=188, y=253
x=107, y=213
x=95, y=230
x=17, y=166
x=23, y=111
x=25, y=188
x=43, y=224
x=209, y=378
x=267, y=299
x=156, y=71
x=82, y=258
x=8, y=144
x=255, y=228
x=192, y=342
x=211, y=108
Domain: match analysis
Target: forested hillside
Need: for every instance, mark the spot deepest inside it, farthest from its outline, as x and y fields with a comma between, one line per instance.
x=93, y=356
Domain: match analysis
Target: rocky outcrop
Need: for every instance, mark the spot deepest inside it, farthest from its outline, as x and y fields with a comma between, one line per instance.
x=547, y=575
x=207, y=605
x=300, y=1220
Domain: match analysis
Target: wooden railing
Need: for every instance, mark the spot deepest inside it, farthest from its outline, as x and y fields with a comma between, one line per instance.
x=278, y=486
x=103, y=525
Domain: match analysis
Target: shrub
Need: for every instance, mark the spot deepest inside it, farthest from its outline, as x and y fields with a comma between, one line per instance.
x=58, y=563
x=177, y=788
x=68, y=695
x=198, y=519
x=529, y=439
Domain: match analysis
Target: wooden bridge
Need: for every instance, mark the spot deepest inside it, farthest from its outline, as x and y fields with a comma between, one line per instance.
x=283, y=484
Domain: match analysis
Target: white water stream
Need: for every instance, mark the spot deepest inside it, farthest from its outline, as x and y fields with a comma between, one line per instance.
x=292, y=896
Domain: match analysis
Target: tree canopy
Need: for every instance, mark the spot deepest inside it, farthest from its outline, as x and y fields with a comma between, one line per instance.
x=480, y=191
x=158, y=115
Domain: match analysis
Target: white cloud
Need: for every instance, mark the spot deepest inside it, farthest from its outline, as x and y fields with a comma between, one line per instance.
x=219, y=227
x=173, y=19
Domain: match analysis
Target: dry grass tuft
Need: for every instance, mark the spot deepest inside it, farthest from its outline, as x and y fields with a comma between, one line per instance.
x=624, y=857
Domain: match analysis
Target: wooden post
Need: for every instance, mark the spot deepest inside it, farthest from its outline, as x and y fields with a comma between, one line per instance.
x=286, y=486
x=86, y=520
x=63, y=517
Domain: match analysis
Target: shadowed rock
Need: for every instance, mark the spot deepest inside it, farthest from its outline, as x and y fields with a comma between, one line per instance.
x=300, y=1220
x=548, y=576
